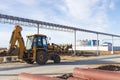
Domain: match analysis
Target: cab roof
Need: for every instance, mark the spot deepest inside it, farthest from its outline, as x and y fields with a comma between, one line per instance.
x=36, y=35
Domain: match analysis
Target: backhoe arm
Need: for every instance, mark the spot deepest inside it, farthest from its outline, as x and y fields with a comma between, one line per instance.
x=17, y=37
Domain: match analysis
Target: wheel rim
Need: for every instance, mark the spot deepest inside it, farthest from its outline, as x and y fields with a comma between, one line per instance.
x=41, y=57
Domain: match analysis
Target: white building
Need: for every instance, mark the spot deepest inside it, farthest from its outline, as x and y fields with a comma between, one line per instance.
x=92, y=45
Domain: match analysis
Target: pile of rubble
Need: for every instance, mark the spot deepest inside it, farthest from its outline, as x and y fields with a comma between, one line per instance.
x=3, y=52
x=65, y=76
x=109, y=67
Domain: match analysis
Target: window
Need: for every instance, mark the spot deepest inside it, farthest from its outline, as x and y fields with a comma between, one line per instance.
x=44, y=41
x=39, y=42
x=29, y=43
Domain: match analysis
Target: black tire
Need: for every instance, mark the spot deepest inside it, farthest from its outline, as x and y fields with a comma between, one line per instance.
x=41, y=57
x=56, y=58
x=29, y=61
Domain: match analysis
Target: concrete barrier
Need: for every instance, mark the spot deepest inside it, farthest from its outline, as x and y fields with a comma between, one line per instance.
x=26, y=76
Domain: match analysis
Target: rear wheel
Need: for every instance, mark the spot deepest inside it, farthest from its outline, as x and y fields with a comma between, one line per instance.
x=56, y=58
x=41, y=57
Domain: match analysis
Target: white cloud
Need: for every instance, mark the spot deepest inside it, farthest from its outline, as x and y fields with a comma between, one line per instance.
x=27, y=2
x=80, y=9
x=112, y=5
x=3, y=7
x=5, y=38
x=90, y=14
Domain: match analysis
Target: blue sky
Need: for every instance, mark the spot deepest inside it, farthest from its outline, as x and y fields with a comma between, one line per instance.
x=97, y=15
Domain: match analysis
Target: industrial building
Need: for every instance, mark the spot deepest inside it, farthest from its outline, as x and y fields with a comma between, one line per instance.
x=92, y=45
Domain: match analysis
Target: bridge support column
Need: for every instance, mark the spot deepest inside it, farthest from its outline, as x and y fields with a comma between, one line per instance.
x=37, y=28
x=74, y=42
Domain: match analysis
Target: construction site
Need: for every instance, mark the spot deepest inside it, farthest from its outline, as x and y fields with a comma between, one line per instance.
x=37, y=59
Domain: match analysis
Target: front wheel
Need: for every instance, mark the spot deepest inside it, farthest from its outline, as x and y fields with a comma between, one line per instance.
x=56, y=58
x=41, y=57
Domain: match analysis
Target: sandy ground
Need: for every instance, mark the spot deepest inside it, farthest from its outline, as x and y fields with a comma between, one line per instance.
x=10, y=71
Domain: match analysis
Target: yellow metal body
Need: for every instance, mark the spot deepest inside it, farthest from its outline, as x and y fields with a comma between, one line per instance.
x=16, y=37
x=35, y=49
x=32, y=54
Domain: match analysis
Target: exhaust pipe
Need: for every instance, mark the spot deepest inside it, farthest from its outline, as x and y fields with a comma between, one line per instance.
x=93, y=74
x=26, y=76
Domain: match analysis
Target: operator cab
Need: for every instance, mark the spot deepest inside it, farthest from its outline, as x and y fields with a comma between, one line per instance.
x=36, y=40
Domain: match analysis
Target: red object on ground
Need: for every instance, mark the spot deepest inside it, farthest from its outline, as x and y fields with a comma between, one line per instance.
x=93, y=74
x=26, y=76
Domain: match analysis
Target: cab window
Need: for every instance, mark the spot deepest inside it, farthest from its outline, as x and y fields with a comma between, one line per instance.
x=39, y=42
x=44, y=41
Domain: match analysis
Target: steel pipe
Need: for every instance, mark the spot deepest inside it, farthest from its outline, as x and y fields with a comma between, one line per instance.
x=93, y=74
x=74, y=78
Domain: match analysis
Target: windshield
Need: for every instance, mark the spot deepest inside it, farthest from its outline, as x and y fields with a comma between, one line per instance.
x=29, y=42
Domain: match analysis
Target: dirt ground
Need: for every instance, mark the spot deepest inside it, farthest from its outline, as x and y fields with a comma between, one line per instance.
x=10, y=71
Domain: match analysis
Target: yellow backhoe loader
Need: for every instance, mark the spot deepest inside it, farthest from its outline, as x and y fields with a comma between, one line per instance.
x=37, y=48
